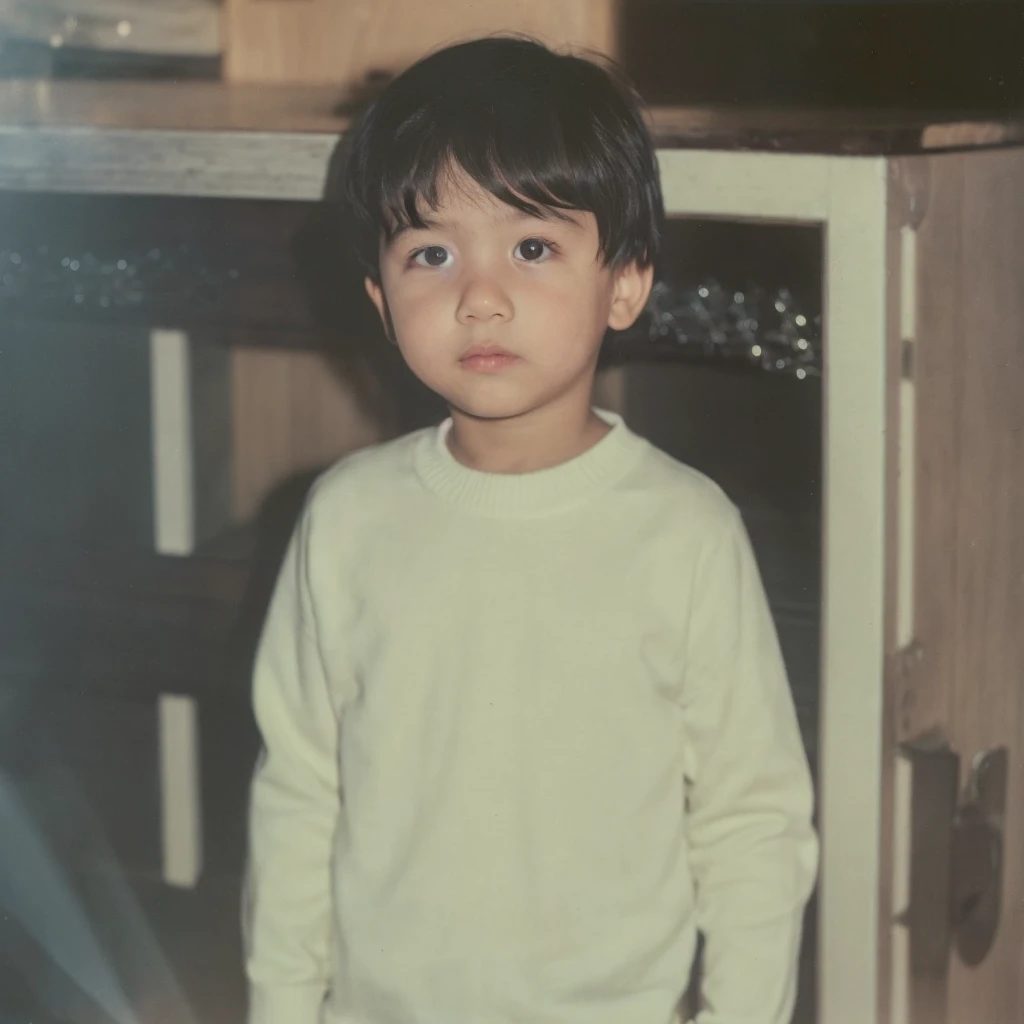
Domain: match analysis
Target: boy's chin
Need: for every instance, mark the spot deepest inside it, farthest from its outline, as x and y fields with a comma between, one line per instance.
x=482, y=409
x=518, y=403
x=493, y=399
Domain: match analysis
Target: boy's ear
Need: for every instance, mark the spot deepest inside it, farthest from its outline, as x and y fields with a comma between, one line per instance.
x=376, y=293
x=629, y=296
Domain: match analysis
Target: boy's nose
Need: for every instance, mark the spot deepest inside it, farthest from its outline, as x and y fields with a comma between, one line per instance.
x=483, y=299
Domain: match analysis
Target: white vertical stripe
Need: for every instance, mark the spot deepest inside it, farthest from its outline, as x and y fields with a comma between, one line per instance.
x=899, y=1002
x=853, y=612
x=171, y=411
x=181, y=807
x=902, y=804
x=908, y=283
x=906, y=519
x=899, y=1007
x=907, y=462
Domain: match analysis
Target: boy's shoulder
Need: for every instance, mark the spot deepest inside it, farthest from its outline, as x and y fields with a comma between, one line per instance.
x=380, y=464
x=373, y=472
x=680, y=488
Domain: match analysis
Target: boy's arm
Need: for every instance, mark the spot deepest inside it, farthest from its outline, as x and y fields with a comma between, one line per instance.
x=294, y=807
x=753, y=849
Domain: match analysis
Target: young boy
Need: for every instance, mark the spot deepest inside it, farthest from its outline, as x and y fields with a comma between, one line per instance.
x=527, y=728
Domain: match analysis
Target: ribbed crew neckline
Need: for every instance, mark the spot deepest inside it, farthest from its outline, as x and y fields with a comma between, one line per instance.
x=537, y=493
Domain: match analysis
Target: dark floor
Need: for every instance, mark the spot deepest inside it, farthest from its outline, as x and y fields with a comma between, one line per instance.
x=185, y=969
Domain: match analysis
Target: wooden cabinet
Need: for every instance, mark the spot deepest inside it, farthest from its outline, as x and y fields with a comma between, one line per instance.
x=956, y=571
x=343, y=42
x=921, y=224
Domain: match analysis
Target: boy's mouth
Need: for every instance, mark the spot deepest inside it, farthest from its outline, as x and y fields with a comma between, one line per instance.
x=487, y=358
x=485, y=350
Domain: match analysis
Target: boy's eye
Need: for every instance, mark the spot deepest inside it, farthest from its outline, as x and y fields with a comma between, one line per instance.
x=431, y=256
x=532, y=249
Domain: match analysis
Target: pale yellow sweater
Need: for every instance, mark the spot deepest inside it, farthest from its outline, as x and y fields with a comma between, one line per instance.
x=525, y=734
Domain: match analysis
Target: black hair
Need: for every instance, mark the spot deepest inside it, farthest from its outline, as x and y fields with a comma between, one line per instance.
x=539, y=130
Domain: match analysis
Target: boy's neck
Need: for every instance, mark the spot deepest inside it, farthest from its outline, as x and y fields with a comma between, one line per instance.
x=524, y=444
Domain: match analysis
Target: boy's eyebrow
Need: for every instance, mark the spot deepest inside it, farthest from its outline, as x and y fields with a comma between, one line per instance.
x=511, y=216
x=552, y=214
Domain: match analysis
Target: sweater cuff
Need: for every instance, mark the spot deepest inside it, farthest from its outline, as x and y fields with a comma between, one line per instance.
x=288, y=1004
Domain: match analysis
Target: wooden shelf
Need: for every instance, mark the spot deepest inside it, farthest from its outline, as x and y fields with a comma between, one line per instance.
x=215, y=139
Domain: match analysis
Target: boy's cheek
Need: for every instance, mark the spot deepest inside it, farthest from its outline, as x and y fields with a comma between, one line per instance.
x=422, y=320
x=417, y=308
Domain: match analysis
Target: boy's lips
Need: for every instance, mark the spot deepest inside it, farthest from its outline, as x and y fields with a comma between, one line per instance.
x=487, y=358
x=486, y=350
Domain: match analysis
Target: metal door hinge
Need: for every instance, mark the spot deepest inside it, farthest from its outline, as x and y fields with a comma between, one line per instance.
x=907, y=359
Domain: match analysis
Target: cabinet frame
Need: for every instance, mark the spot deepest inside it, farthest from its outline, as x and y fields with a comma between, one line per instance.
x=850, y=199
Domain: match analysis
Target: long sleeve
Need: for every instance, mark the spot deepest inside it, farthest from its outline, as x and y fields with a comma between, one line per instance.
x=754, y=852
x=295, y=801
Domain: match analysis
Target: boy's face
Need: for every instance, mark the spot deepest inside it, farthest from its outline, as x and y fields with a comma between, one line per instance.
x=485, y=274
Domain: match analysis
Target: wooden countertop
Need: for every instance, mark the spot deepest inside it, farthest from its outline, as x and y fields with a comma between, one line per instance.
x=276, y=142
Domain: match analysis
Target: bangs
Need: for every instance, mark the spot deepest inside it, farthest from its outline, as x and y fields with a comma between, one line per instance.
x=529, y=170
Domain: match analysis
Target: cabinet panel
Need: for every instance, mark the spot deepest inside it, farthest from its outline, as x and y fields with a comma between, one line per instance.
x=329, y=41
x=957, y=689
x=986, y=703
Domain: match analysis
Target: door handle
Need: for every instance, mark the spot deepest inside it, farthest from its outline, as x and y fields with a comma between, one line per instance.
x=977, y=858
x=956, y=856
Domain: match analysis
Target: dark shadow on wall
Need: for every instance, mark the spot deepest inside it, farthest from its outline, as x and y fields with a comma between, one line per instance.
x=910, y=55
